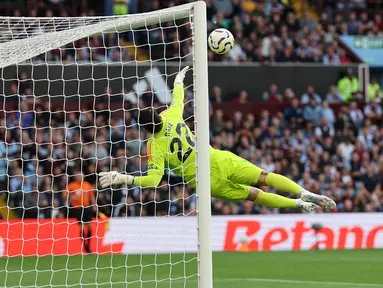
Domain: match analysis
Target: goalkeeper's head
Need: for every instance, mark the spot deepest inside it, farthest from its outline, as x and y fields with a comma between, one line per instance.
x=150, y=120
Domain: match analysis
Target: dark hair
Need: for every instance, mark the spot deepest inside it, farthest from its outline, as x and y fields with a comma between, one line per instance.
x=150, y=120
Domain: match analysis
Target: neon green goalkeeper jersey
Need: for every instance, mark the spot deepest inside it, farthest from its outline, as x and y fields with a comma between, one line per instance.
x=172, y=147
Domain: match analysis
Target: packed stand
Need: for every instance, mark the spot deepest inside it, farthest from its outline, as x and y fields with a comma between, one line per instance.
x=97, y=48
x=265, y=31
x=269, y=31
x=347, y=89
x=44, y=148
x=337, y=154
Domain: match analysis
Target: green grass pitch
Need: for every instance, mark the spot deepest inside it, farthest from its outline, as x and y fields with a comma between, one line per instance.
x=321, y=269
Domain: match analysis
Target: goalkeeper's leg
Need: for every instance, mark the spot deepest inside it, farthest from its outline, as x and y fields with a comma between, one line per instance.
x=277, y=201
x=246, y=173
x=226, y=189
x=283, y=183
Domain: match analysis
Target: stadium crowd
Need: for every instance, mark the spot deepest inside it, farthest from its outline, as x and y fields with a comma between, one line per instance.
x=270, y=31
x=265, y=31
x=337, y=155
x=43, y=148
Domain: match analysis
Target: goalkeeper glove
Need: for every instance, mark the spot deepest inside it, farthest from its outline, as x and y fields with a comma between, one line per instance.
x=115, y=178
x=181, y=76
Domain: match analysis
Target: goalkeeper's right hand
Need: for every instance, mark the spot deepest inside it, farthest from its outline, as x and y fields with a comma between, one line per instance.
x=114, y=178
x=181, y=76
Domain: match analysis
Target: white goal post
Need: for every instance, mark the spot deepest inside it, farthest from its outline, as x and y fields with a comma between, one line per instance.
x=30, y=47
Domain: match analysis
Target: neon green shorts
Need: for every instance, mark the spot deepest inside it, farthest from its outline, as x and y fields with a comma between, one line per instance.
x=231, y=175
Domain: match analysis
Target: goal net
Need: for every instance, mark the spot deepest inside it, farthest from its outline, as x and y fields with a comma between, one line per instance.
x=71, y=92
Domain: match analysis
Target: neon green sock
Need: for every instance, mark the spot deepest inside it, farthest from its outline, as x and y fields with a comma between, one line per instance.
x=275, y=201
x=282, y=183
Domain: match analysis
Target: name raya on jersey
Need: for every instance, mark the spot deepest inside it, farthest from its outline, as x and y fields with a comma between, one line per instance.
x=172, y=147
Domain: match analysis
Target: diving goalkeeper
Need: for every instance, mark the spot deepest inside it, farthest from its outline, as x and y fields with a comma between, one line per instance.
x=232, y=177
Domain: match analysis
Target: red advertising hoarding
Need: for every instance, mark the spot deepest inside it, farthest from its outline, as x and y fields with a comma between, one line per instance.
x=149, y=235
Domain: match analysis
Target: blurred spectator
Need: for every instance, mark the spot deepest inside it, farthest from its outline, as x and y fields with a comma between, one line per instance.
x=272, y=96
x=324, y=130
x=333, y=96
x=287, y=55
x=373, y=110
x=288, y=95
x=331, y=57
x=267, y=44
x=374, y=90
x=356, y=115
x=305, y=49
x=378, y=21
x=346, y=148
x=218, y=124
x=35, y=204
x=80, y=200
x=365, y=138
x=352, y=24
x=242, y=97
x=294, y=114
x=305, y=99
x=237, y=54
x=248, y=6
x=343, y=57
x=216, y=96
x=313, y=112
x=371, y=179
x=307, y=20
x=348, y=86
x=223, y=6
x=317, y=56
x=268, y=164
x=120, y=7
x=328, y=113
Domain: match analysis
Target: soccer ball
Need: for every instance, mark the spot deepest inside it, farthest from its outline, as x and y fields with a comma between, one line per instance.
x=221, y=41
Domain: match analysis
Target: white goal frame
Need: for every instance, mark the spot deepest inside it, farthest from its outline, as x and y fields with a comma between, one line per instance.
x=19, y=50
x=205, y=265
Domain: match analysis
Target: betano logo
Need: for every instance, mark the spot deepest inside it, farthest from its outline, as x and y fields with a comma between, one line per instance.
x=252, y=235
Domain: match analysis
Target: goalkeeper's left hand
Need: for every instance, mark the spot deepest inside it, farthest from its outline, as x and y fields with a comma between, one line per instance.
x=181, y=76
x=114, y=178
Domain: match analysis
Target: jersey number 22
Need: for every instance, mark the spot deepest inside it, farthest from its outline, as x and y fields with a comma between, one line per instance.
x=178, y=142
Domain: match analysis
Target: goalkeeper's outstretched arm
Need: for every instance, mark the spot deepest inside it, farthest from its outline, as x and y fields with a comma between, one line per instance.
x=156, y=150
x=156, y=163
x=152, y=180
x=177, y=106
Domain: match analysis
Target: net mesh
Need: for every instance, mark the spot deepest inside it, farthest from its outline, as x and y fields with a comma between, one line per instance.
x=71, y=91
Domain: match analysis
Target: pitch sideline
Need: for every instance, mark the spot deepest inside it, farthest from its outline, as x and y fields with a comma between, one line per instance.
x=299, y=282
